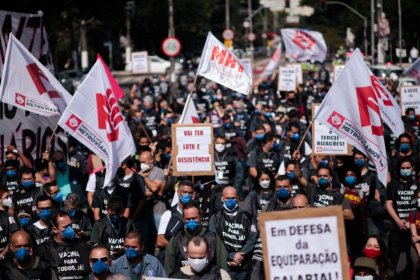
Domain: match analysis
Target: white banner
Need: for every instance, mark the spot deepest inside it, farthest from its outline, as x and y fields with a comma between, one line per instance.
x=220, y=65
x=302, y=45
x=274, y=62
x=30, y=30
x=94, y=119
x=354, y=109
x=410, y=98
x=414, y=71
x=140, y=62
x=287, y=79
x=28, y=85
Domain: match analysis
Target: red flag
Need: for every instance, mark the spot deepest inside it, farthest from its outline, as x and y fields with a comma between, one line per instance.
x=118, y=92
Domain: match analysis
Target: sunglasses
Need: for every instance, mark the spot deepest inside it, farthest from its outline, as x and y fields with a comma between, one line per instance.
x=94, y=260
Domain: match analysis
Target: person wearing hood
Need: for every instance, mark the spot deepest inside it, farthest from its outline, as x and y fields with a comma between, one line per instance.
x=176, y=257
x=239, y=243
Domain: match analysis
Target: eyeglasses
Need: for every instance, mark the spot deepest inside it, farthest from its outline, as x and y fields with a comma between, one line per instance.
x=104, y=259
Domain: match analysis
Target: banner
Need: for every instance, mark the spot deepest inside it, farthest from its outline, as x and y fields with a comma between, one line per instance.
x=313, y=244
x=28, y=132
x=140, y=62
x=192, y=149
x=354, y=109
x=414, y=71
x=95, y=120
x=28, y=85
x=189, y=114
x=302, y=45
x=287, y=79
x=220, y=65
x=28, y=29
x=410, y=98
x=274, y=62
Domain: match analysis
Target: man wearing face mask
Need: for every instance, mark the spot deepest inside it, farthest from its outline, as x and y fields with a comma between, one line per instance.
x=111, y=229
x=41, y=230
x=322, y=193
x=290, y=143
x=153, y=176
x=67, y=254
x=176, y=256
x=239, y=243
x=80, y=221
x=135, y=263
x=405, y=147
x=100, y=262
x=283, y=199
x=10, y=176
x=28, y=192
x=25, y=264
x=199, y=266
x=365, y=269
x=172, y=220
x=7, y=223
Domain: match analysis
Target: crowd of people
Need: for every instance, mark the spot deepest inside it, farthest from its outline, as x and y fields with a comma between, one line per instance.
x=59, y=221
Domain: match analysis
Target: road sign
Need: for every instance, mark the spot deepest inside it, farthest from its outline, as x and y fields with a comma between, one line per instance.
x=228, y=34
x=251, y=37
x=171, y=46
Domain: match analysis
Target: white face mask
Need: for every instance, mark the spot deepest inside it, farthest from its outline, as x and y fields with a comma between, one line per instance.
x=219, y=147
x=145, y=167
x=369, y=277
x=198, y=265
x=265, y=184
x=418, y=202
x=7, y=202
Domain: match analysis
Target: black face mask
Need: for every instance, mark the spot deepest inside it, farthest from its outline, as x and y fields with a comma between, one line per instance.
x=120, y=172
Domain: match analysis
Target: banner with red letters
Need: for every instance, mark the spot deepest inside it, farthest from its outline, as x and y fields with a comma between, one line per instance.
x=302, y=45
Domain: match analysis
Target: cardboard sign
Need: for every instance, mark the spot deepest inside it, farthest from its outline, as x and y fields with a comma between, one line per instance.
x=410, y=98
x=325, y=141
x=192, y=149
x=287, y=79
x=304, y=244
x=337, y=71
x=298, y=69
x=140, y=62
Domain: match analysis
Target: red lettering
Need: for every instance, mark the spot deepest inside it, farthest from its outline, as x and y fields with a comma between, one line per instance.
x=380, y=91
x=39, y=78
x=216, y=54
x=108, y=113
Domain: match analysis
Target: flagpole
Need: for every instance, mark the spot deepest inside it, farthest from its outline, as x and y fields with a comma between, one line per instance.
x=304, y=136
x=51, y=138
x=147, y=134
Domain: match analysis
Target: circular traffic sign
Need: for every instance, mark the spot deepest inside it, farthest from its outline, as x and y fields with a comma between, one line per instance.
x=171, y=46
x=251, y=36
x=228, y=34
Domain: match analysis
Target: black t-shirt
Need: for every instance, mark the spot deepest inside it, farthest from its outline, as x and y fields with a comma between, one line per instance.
x=7, y=227
x=27, y=200
x=40, y=270
x=322, y=198
x=403, y=196
x=101, y=198
x=38, y=235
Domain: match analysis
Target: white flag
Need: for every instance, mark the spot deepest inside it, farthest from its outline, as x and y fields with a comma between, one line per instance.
x=302, y=45
x=223, y=67
x=414, y=71
x=189, y=114
x=28, y=85
x=94, y=119
x=354, y=109
x=274, y=62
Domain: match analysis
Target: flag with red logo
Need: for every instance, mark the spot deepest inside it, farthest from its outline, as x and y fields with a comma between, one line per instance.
x=355, y=108
x=223, y=67
x=274, y=62
x=414, y=71
x=95, y=120
x=118, y=92
x=189, y=114
x=302, y=45
x=28, y=85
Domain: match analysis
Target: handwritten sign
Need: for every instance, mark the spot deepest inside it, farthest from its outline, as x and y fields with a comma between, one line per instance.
x=140, y=62
x=410, y=98
x=193, y=150
x=304, y=244
x=298, y=70
x=287, y=79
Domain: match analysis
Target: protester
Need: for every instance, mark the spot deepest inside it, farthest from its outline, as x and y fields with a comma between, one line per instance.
x=100, y=262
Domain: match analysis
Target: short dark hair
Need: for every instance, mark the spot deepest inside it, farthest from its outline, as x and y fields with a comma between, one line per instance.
x=408, y=110
x=58, y=214
x=197, y=240
x=43, y=198
x=186, y=183
x=100, y=247
x=282, y=178
x=27, y=170
x=190, y=205
x=405, y=159
x=134, y=234
x=116, y=204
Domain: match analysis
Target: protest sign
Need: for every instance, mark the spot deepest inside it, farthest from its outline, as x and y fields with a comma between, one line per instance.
x=304, y=244
x=192, y=149
x=337, y=71
x=410, y=98
x=325, y=141
x=287, y=79
x=140, y=62
x=298, y=70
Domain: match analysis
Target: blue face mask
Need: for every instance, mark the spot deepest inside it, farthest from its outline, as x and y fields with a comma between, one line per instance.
x=323, y=163
x=22, y=254
x=72, y=212
x=192, y=225
x=169, y=121
x=231, y=203
x=45, y=214
x=359, y=163
x=404, y=147
x=259, y=136
x=323, y=182
x=100, y=267
x=185, y=198
x=406, y=172
x=228, y=125
x=28, y=184
x=131, y=254
x=295, y=137
x=257, y=112
x=412, y=118
x=68, y=233
x=350, y=180
x=58, y=197
x=167, y=156
x=24, y=222
x=11, y=174
x=115, y=220
x=283, y=194
x=267, y=115
x=276, y=146
x=291, y=176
